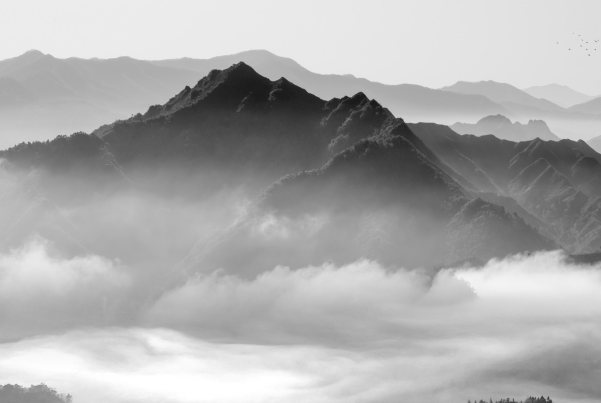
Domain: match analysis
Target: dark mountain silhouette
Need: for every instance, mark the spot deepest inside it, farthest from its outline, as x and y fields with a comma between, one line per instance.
x=592, y=107
x=238, y=119
x=382, y=193
x=387, y=197
x=561, y=95
x=412, y=102
x=503, y=128
x=559, y=182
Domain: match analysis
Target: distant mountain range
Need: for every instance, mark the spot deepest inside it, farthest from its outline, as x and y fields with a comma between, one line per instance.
x=502, y=93
x=503, y=128
x=336, y=180
x=592, y=107
x=413, y=102
x=42, y=96
x=559, y=94
x=567, y=123
x=464, y=101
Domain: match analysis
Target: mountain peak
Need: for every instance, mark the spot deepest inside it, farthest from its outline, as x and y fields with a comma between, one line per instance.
x=538, y=123
x=34, y=52
x=494, y=118
x=235, y=75
x=30, y=56
x=503, y=128
x=240, y=70
x=241, y=66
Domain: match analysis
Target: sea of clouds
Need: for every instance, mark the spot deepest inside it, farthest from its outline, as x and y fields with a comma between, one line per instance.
x=525, y=325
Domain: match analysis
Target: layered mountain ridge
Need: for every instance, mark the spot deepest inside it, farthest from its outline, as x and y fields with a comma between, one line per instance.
x=575, y=122
x=72, y=94
x=559, y=94
x=349, y=180
x=559, y=182
x=49, y=96
x=593, y=107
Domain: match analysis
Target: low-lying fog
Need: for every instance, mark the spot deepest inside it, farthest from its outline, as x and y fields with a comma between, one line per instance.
x=119, y=320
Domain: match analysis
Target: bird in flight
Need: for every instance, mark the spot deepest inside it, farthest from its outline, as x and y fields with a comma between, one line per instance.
x=582, y=44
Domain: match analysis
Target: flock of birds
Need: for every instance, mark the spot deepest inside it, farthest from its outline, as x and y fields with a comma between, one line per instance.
x=585, y=44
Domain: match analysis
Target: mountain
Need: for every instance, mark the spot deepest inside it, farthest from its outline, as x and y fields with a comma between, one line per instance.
x=501, y=93
x=14, y=94
x=348, y=180
x=73, y=94
x=381, y=199
x=122, y=84
x=238, y=119
x=595, y=143
x=413, y=102
x=567, y=123
x=592, y=107
x=503, y=128
x=51, y=96
x=558, y=182
x=561, y=95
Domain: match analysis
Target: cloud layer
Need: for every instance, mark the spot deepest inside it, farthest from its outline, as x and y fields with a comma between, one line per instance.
x=527, y=325
x=40, y=290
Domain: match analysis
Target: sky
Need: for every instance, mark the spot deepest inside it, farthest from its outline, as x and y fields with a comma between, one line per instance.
x=432, y=43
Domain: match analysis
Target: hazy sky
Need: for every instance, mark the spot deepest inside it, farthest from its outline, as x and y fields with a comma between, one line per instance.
x=432, y=43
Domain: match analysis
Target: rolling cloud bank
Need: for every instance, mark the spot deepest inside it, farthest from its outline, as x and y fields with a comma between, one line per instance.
x=360, y=332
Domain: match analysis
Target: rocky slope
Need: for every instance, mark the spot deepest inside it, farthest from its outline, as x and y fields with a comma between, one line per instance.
x=559, y=182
